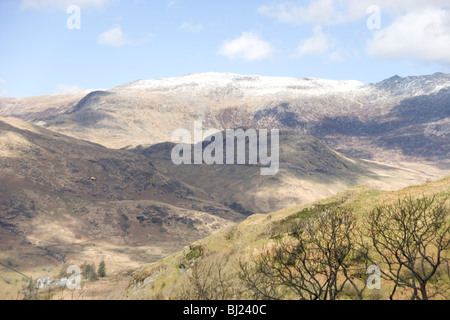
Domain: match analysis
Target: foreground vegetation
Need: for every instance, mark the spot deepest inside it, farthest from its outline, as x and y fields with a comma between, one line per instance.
x=332, y=249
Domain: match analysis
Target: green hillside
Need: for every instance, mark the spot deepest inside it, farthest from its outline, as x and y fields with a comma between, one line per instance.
x=214, y=268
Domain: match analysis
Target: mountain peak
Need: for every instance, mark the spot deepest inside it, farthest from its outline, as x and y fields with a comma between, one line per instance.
x=396, y=77
x=413, y=85
x=233, y=83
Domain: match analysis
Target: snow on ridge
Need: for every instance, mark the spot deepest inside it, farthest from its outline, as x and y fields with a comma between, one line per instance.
x=413, y=85
x=252, y=83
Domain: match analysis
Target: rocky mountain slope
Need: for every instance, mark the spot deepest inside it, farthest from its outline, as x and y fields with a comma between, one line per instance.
x=308, y=170
x=68, y=200
x=396, y=120
x=89, y=175
x=63, y=199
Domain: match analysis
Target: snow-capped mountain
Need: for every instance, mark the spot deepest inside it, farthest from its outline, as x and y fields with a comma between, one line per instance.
x=231, y=83
x=414, y=85
x=406, y=117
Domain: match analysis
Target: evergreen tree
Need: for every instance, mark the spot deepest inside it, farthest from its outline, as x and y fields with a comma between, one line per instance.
x=89, y=272
x=102, y=269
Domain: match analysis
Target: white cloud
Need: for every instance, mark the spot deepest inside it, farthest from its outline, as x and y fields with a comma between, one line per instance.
x=249, y=47
x=333, y=12
x=335, y=56
x=419, y=29
x=116, y=38
x=2, y=92
x=319, y=43
x=190, y=27
x=423, y=35
x=65, y=89
x=113, y=37
x=62, y=4
x=319, y=11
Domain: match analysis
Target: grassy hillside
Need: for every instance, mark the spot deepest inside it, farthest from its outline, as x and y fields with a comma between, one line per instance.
x=52, y=211
x=309, y=171
x=217, y=257
x=140, y=208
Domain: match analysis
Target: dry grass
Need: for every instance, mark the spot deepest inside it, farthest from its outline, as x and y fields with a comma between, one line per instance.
x=249, y=237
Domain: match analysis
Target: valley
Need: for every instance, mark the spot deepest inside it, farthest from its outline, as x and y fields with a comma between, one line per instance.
x=88, y=176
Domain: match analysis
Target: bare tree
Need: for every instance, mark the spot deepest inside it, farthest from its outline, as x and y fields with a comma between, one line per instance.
x=409, y=239
x=209, y=280
x=315, y=262
x=30, y=291
x=260, y=278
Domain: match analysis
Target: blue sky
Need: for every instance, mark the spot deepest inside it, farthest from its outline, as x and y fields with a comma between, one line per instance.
x=120, y=41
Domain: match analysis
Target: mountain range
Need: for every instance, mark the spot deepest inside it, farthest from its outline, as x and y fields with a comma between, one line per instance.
x=396, y=120
x=88, y=175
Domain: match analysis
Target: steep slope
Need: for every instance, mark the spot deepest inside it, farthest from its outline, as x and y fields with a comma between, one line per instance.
x=225, y=249
x=396, y=120
x=51, y=211
x=32, y=108
x=308, y=171
x=140, y=207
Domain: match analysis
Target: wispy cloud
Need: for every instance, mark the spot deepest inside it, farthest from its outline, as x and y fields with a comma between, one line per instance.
x=335, y=56
x=190, y=27
x=113, y=37
x=419, y=29
x=422, y=35
x=333, y=12
x=317, y=12
x=249, y=47
x=319, y=44
x=62, y=4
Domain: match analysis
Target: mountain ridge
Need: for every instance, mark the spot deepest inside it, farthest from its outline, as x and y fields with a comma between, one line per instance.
x=89, y=175
x=383, y=122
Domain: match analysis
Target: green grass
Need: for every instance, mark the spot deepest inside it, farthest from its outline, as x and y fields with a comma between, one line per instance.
x=195, y=253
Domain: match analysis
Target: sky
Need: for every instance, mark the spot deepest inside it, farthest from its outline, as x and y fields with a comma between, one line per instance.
x=60, y=46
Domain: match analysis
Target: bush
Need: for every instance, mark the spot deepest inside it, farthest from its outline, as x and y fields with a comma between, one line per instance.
x=102, y=269
x=195, y=253
x=89, y=273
